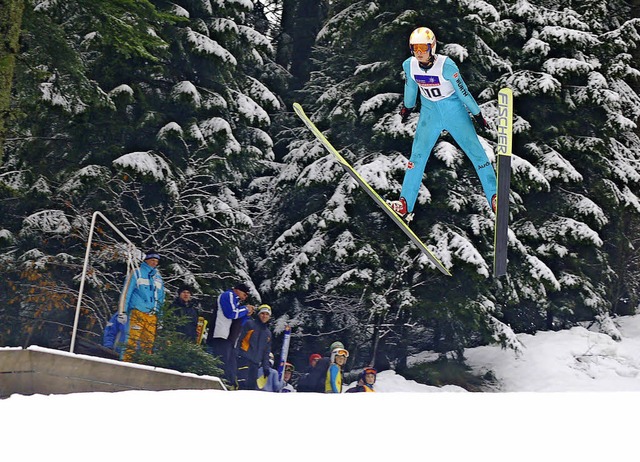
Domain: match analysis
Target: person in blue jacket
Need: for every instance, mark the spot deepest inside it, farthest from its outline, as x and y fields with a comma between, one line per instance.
x=273, y=382
x=229, y=317
x=143, y=296
x=445, y=105
x=114, y=332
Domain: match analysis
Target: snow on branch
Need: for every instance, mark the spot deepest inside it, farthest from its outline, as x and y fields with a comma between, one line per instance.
x=48, y=222
x=187, y=91
x=533, y=83
x=553, y=165
x=256, y=38
x=378, y=101
x=566, y=36
x=566, y=227
x=146, y=163
x=563, y=66
x=216, y=126
x=347, y=20
x=259, y=91
x=251, y=110
x=207, y=46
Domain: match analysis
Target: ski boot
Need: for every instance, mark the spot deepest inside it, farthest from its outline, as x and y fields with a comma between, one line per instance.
x=400, y=207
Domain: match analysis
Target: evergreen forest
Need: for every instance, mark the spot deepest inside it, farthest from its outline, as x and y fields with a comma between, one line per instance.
x=174, y=120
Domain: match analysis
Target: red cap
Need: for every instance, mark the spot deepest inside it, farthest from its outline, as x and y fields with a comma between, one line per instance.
x=314, y=357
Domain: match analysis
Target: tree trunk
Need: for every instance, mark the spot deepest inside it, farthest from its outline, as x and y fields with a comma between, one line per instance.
x=635, y=13
x=10, y=25
x=300, y=23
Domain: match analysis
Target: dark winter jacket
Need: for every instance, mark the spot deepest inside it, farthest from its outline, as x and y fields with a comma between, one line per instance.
x=189, y=313
x=314, y=379
x=254, y=343
x=361, y=388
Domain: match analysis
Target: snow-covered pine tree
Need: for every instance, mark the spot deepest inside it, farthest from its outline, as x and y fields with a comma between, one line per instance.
x=155, y=116
x=339, y=243
x=579, y=150
x=341, y=246
x=56, y=100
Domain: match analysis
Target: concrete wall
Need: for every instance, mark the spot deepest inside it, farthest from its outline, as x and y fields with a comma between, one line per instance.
x=37, y=370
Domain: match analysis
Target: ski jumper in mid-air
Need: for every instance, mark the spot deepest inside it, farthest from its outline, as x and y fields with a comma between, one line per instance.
x=445, y=105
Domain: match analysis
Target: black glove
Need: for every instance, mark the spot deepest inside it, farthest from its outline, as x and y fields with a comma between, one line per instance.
x=404, y=113
x=481, y=121
x=265, y=372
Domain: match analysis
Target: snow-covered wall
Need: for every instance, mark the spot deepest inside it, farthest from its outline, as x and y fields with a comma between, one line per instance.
x=37, y=370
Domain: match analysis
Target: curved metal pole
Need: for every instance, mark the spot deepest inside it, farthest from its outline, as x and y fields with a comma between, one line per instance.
x=84, y=270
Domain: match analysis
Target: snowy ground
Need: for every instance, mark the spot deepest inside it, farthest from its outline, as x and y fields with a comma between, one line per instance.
x=568, y=396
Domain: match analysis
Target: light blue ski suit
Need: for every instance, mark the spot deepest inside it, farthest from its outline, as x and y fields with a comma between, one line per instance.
x=445, y=105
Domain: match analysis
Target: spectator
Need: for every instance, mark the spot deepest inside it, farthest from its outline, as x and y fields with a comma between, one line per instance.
x=114, y=332
x=313, y=361
x=286, y=376
x=272, y=382
x=366, y=381
x=229, y=317
x=333, y=383
x=143, y=297
x=254, y=346
x=314, y=379
x=184, y=308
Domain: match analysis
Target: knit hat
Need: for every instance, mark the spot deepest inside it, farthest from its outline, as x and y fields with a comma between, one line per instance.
x=242, y=287
x=313, y=357
x=335, y=345
x=151, y=254
x=264, y=309
x=184, y=287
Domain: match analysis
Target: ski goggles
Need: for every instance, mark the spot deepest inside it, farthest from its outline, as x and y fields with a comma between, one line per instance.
x=421, y=47
x=289, y=368
x=341, y=352
x=370, y=370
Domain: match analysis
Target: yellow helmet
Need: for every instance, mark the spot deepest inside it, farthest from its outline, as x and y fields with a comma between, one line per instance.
x=423, y=35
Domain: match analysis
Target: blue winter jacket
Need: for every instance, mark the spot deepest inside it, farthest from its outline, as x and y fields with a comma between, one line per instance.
x=229, y=309
x=144, y=290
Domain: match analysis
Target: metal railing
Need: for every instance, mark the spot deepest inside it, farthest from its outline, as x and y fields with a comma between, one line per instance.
x=84, y=270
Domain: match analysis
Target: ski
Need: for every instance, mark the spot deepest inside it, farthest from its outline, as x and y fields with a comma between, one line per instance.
x=370, y=191
x=505, y=129
x=202, y=330
x=284, y=352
